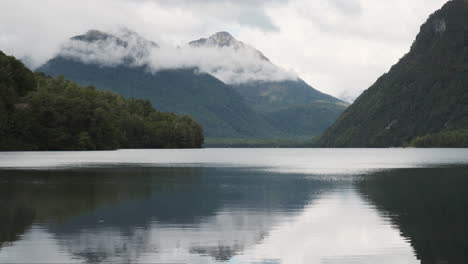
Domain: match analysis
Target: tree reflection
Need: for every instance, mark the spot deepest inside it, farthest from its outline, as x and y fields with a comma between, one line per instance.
x=102, y=215
x=429, y=206
x=56, y=196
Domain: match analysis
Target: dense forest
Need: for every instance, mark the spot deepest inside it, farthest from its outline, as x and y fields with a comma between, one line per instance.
x=38, y=112
x=447, y=139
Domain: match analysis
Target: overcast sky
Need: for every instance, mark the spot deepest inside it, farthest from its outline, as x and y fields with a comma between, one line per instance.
x=338, y=46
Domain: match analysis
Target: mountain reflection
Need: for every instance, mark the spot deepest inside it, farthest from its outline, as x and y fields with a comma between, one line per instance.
x=125, y=214
x=28, y=197
x=429, y=206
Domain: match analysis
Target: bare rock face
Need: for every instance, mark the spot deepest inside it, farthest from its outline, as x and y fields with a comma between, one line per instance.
x=220, y=39
x=440, y=26
x=224, y=39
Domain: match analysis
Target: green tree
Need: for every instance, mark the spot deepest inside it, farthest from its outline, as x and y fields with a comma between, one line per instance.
x=44, y=113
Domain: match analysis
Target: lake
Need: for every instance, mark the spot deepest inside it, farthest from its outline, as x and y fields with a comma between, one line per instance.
x=270, y=206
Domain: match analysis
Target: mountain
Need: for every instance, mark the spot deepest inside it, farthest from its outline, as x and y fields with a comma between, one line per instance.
x=90, y=59
x=292, y=106
x=426, y=92
x=38, y=112
x=229, y=87
x=289, y=103
x=224, y=39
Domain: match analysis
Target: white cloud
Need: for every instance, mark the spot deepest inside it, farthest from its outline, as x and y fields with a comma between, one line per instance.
x=341, y=49
x=339, y=46
x=230, y=65
x=363, y=237
x=109, y=51
x=250, y=236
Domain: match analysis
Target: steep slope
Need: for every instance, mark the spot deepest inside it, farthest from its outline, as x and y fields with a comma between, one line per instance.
x=90, y=60
x=425, y=92
x=290, y=104
x=292, y=107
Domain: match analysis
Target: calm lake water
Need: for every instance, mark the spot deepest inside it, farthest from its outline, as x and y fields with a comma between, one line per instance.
x=268, y=206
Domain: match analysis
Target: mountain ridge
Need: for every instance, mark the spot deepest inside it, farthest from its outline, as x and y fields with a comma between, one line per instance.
x=224, y=39
x=224, y=110
x=424, y=93
x=289, y=105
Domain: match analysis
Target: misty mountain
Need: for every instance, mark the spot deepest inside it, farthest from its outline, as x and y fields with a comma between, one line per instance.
x=265, y=101
x=221, y=111
x=96, y=47
x=224, y=39
x=426, y=92
x=290, y=105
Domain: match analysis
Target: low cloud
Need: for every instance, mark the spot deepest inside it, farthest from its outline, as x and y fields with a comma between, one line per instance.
x=125, y=47
x=230, y=65
x=339, y=46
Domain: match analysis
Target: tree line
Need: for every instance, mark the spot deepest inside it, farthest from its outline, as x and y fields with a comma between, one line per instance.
x=446, y=139
x=38, y=112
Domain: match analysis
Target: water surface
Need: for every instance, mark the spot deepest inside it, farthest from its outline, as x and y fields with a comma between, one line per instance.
x=234, y=206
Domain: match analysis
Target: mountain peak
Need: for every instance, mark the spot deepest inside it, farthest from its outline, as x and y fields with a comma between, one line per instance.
x=445, y=28
x=122, y=46
x=219, y=39
x=122, y=37
x=93, y=35
x=223, y=38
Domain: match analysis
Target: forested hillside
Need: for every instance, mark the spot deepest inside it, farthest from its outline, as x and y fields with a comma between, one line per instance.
x=291, y=106
x=426, y=92
x=218, y=108
x=38, y=112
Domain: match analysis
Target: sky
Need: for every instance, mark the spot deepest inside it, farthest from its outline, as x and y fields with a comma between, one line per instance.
x=340, y=47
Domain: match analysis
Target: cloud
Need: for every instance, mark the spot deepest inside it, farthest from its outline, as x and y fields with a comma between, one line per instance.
x=347, y=6
x=38, y=28
x=339, y=46
x=122, y=47
x=243, y=12
x=341, y=49
x=230, y=65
